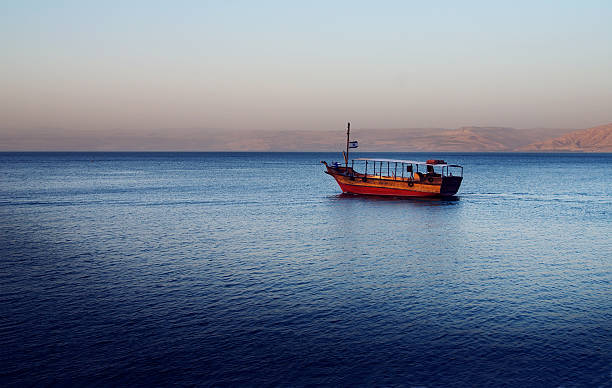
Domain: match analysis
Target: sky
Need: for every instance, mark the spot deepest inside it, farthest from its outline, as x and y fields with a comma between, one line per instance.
x=137, y=66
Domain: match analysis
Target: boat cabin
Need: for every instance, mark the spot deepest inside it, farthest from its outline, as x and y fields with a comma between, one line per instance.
x=431, y=171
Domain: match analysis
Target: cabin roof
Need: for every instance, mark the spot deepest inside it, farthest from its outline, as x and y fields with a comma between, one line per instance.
x=407, y=162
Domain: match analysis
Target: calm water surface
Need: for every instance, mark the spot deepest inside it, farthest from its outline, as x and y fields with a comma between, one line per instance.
x=251, y=269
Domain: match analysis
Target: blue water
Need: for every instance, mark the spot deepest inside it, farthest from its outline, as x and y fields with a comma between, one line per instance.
x=156, y=269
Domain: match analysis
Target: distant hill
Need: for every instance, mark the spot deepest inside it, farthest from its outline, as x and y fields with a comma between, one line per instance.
x=464, y=139
x=468, y=139
x=596, y=139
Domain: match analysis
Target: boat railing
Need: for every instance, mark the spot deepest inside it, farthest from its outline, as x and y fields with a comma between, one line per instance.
x=407, y=169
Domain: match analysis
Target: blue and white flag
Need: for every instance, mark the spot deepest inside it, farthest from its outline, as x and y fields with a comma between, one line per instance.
x=353, y=144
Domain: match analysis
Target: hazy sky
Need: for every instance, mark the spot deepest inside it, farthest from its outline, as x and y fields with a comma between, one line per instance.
x=142, y=65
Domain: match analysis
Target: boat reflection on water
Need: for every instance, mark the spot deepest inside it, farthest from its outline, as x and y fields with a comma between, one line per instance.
x=384, y=198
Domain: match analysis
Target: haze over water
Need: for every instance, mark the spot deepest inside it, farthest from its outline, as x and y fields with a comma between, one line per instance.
x=139, y=68
x=155, y=269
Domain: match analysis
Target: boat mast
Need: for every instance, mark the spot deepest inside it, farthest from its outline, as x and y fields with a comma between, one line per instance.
x=346, y=156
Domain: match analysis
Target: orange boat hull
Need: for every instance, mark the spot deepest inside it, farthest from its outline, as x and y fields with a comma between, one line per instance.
x=373, y=190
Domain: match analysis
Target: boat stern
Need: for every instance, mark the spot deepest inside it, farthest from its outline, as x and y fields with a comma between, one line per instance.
x=450, y=185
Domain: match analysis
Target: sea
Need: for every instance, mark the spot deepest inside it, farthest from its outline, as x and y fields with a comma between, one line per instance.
x=252, y=269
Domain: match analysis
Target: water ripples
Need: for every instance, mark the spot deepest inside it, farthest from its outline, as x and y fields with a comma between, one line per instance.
x=158, y=269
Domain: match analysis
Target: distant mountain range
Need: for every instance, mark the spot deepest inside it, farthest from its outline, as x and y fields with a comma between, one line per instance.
x=596, y=139
x=464, y=139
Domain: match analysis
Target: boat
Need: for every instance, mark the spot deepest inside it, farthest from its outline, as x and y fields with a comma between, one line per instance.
x=394, y=177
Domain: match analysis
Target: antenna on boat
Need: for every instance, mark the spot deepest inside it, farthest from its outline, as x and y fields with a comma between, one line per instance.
x=348, y=133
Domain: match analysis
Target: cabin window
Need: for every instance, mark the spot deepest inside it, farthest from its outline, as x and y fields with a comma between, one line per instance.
x=434, y=171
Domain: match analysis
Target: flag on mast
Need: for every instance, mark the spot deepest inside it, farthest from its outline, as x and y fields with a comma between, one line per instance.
x=353, y=144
